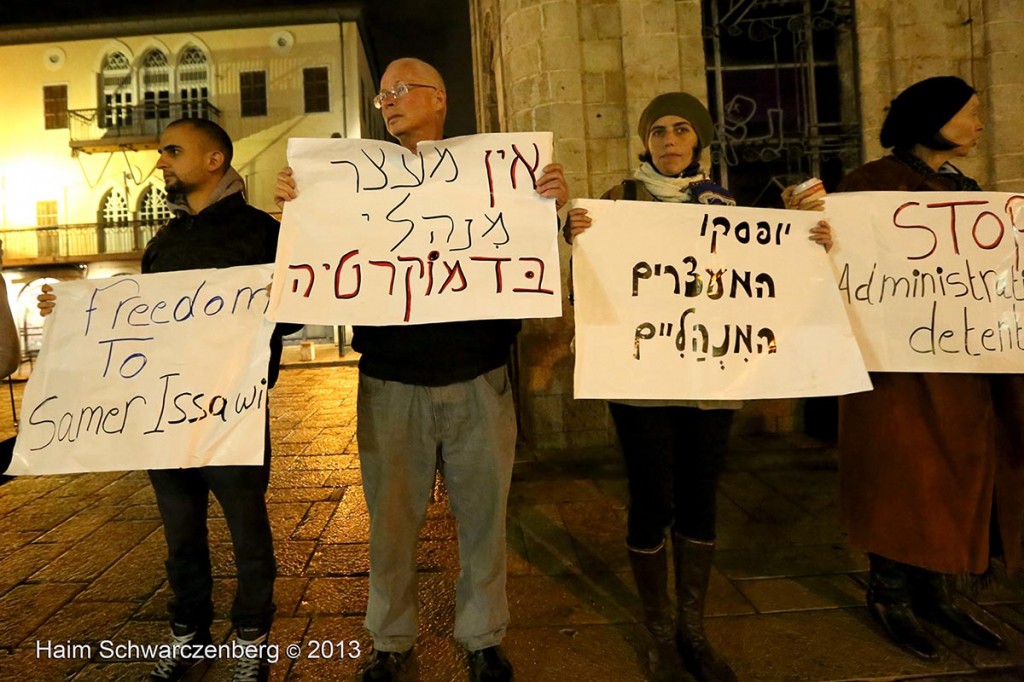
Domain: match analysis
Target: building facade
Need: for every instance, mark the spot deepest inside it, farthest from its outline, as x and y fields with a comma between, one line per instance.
x=85, y=105
x=796, y=88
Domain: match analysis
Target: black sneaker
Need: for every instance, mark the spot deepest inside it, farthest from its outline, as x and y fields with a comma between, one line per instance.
x=252, y=664
x=181, y=655
x=387, y=666
x=490, y=665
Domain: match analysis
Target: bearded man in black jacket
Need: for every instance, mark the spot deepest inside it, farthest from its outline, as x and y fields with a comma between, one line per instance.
x=213, y=227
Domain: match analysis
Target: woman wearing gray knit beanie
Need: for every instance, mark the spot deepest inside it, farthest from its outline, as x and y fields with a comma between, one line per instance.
x=673, y=448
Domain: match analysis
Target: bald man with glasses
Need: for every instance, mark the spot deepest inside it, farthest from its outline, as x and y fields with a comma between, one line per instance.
x=427, y=392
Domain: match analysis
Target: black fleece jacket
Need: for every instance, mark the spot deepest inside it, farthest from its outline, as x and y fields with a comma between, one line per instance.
x=225, y=234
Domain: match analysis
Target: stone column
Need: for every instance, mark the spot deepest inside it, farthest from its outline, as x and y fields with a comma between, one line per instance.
x=902, y=43
x=583, y=69
x=542, y=56
x=1004, y=96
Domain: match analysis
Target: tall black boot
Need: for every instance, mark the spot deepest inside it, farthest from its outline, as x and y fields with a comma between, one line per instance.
x=889, y=603
x=693, y=570
x=932, y=599
x=650, y=570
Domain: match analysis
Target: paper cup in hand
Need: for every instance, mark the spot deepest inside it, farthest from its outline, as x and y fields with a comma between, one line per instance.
x=811, y=186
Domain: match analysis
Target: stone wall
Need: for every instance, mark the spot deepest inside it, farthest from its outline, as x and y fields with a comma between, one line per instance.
x=901, y=43
x=584, y=69
x=1000, y=44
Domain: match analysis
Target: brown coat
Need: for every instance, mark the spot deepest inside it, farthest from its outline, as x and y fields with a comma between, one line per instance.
x=925, y=459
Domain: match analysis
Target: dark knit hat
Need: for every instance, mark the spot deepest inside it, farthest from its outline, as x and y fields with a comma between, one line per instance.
x=680, y=104
x=917, y=113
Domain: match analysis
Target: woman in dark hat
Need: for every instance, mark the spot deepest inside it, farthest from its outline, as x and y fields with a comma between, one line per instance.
x=932, y=478
x=673, y=448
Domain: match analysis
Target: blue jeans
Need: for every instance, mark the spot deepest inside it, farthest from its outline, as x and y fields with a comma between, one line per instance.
x=182, y=495
x=402, y=431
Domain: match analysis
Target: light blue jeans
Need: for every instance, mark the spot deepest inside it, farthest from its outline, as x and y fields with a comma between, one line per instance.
x=401, y=430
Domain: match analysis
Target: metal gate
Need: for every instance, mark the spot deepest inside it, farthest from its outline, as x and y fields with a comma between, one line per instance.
x=782, y=89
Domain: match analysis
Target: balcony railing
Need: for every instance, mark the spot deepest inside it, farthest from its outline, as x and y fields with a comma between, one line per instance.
x=131, y=126
x=76, y=243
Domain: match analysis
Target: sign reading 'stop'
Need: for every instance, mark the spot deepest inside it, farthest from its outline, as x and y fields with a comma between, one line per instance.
x=932, y=281
x=379, y=235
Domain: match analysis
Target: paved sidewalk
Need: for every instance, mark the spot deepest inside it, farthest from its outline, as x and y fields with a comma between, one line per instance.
x=81, y=561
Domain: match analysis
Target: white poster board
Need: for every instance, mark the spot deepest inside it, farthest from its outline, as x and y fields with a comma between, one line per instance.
x=685, y=301
x=932, y=281
x=155, y=371
x=381, y=236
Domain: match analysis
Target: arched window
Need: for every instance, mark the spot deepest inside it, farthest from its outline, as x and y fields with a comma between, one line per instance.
x=114, y=210
x=117, y=91
x=153, y=206
x=194, y=82
x=156, y=86
x=153, y=213
x=115, y=234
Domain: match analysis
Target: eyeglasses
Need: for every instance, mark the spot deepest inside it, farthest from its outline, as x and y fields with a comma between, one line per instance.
x=400, y=90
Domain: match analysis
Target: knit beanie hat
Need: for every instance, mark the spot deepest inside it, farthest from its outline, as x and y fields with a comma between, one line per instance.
x=680, y=104
x=917, y=113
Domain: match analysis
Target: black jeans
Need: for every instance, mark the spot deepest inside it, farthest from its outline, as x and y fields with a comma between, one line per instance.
x=182, y=496
x=673, y=458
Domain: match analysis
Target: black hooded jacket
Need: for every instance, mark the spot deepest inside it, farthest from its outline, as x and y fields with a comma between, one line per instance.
x=225, y=234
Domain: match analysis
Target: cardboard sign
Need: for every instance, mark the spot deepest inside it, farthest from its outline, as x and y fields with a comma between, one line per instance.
x=932, y=281
x=155, y=371
x=686, y=301
x=381, y=236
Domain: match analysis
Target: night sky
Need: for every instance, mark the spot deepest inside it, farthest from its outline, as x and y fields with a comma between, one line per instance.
x=434, y=30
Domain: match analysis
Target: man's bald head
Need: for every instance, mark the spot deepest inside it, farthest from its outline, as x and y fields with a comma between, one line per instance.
x=425, y=73
x=419, y=114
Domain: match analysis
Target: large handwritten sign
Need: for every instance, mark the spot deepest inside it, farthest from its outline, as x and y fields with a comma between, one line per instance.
x=689, y=301
x=933, y=282
x=150, y=372
x=379, y=235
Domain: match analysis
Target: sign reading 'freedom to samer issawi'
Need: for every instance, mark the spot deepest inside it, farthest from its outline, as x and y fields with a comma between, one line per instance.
x=685, y=301
x=155, y=371
x=933, y=281
x=379, y=235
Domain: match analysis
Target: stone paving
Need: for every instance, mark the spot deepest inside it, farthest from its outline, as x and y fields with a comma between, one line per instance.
x=81, y=562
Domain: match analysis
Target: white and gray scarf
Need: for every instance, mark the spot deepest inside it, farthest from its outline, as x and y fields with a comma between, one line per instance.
x=665, y=188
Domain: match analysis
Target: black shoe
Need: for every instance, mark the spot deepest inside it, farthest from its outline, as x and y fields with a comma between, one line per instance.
x=489, y=665
x=932, y=598
x=387, y=666
x=693, y=561
x=186, y=640
x=960, y=623
x=252, y=664
x=650, y=570
x=903, y=628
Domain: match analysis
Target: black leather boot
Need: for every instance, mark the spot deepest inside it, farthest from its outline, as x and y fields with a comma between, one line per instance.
x=889, y=603
x=932, y=599
x=650, y=570
x=693, y=570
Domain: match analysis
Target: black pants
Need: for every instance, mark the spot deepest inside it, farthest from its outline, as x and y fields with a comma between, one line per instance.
x=182, y=496
x=673, y=458
x=6, y=455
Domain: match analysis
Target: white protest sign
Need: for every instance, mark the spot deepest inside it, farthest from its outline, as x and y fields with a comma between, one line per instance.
x=932, y=281
x=686, y=301
x=155, y=371
x=381, y=236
